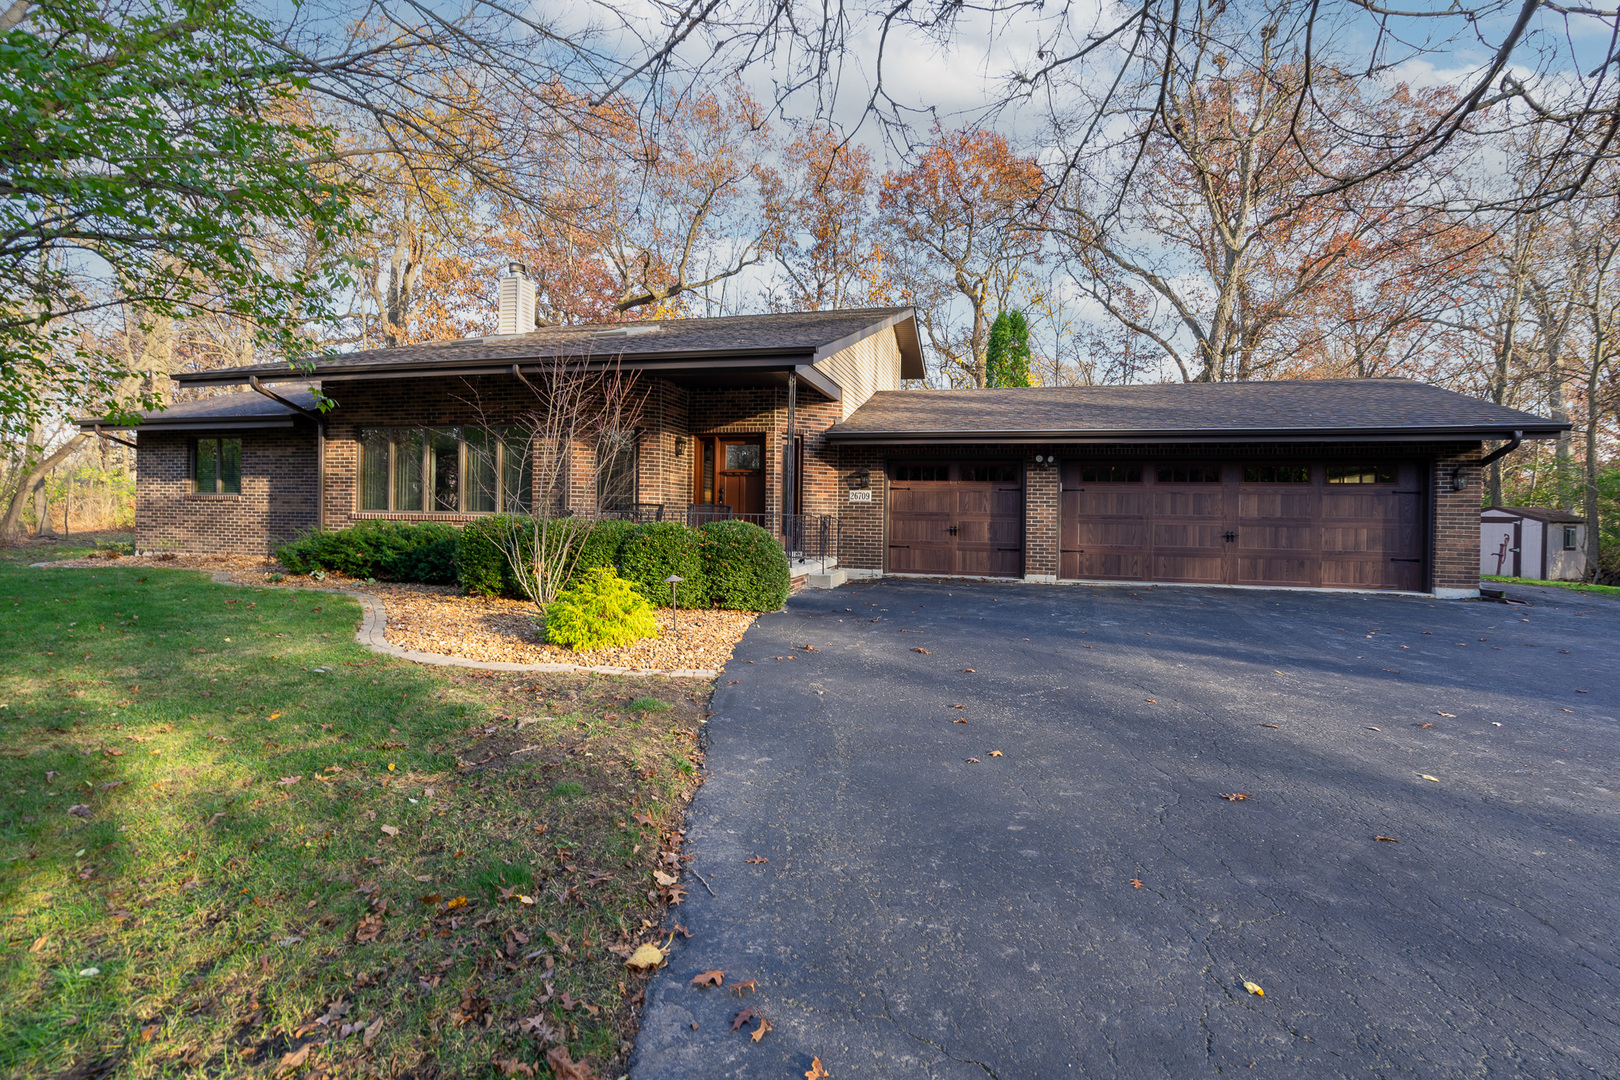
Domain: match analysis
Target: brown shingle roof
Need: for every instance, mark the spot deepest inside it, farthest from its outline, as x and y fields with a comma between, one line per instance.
x=243, y=410
x=801, y=337
x=1322, y=408
x=1537, y=513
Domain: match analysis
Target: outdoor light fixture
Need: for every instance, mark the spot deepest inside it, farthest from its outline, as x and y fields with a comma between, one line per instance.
x=680, y=445
x=674, y=612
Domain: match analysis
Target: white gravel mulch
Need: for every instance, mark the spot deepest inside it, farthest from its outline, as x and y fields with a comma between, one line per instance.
x=438, y=619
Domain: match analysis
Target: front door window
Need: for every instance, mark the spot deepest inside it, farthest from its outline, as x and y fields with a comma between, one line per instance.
x=731, y=474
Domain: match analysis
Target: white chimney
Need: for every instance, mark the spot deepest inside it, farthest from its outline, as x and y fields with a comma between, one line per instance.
x=517, y=301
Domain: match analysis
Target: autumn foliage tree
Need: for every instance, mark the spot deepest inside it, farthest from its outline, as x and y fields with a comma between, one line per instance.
x=829, y=251
x=962, y=225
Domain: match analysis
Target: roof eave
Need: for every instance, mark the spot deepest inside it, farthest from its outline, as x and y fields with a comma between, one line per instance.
x=1220, y=435
x=744, y=359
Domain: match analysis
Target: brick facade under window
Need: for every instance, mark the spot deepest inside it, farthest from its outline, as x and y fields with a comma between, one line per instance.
x=276, y=504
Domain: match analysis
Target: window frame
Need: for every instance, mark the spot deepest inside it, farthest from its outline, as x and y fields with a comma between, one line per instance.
x=505, y=439
x=1570, y=538
x=219, y=442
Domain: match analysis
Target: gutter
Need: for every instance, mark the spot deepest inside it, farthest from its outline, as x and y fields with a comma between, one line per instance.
x=1426, y=434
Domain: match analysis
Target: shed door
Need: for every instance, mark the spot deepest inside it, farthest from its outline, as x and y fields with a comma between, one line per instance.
x=956, y=518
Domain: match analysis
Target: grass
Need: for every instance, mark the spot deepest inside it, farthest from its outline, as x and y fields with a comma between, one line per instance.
x=1573, y=586
x=234, y=841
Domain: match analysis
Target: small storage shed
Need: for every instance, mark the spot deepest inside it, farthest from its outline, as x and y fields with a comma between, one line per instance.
x=1532, y=542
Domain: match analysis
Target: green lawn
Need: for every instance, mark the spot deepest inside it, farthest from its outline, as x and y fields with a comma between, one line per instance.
x=235, y=842
x=1573, y=586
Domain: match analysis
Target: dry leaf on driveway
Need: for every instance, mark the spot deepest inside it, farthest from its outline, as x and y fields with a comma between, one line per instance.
x=1387, y=839
x=1253, y=988
x=709, y=978
x=645, y=956
x=759, y=1032
x=746, y=1016
x=925, y=652
x=815, y=1071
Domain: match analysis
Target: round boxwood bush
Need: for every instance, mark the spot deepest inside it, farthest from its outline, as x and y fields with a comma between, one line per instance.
x=602, y=545
x=656, y=550
x=746, y=567
x=602, y=611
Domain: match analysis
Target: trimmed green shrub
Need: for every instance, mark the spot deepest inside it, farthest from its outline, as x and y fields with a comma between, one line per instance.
x=602, y=545
x=392, y=550
x=481, y=567
x=658, y=549
x=746, y=568
x=602, y=611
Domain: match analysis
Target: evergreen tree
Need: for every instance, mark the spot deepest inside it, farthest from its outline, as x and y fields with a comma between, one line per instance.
x=1007, y=356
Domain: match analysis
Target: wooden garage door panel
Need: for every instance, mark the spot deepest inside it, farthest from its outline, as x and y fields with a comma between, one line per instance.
x=1364, y=529
x=955, y=526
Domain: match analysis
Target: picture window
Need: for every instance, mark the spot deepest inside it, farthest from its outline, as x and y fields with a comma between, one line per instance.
x=445, y=470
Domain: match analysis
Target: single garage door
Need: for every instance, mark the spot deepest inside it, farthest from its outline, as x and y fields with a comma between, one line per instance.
x=961, y=517
x=1323, y=524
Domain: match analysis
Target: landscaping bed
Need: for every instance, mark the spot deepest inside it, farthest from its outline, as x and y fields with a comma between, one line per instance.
x=439, y=619
x=236, y=842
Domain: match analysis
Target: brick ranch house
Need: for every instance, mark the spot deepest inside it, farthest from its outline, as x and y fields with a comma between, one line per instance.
x=1339, y=484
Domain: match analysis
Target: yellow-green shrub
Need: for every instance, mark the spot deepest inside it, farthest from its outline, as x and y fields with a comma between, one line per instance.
x=602, y=611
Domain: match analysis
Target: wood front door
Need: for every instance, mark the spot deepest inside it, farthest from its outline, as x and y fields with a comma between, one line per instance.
x=956, y=518
x=731, y=472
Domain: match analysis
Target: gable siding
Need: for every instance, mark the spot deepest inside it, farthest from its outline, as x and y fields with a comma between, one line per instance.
x=869, y=365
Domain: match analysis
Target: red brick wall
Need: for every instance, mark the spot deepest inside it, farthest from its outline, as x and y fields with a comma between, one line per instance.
x=276, y=504
x=1456, y=519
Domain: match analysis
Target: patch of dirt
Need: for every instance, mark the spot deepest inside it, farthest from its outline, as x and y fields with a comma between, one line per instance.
x=439, y=619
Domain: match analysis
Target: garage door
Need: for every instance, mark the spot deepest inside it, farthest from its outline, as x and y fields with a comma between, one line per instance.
x=1334, y=525
x=956, y=518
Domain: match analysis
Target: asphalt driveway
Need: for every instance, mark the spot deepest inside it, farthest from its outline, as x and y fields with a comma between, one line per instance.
x=1080, y=900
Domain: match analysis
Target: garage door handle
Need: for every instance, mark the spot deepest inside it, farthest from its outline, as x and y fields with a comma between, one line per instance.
x=953, y=530
x=1229, y=537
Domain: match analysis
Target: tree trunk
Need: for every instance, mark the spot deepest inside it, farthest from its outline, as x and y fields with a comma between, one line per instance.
x=10, y=524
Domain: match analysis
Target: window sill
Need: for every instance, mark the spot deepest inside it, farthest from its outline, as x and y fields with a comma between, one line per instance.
x=202, y=496
x=416, y=515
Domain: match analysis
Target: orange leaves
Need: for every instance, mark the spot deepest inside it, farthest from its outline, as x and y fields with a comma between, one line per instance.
x=370, y=928
x=757, y=860
x=1234, y=796
x=759, y=1032
x=1387, y=839
x=925, y=652
x=1138, y=883
x=565, y=1068
x=996, y=753
x=816, y=1071
x=709, y=978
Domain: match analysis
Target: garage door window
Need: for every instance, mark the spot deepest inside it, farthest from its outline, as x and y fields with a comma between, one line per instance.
x=1361, y=474
x=1110, y=474
x=1276, y=474
x=990, y=474
x=922, y=472
x=1189, y=474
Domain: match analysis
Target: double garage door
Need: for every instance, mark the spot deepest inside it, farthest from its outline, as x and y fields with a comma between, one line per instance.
x=1322, y=524
x=1328, y=525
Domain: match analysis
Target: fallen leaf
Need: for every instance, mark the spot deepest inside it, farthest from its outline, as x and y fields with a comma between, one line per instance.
x=925, y=652
x=738, y=988
x=1439, y=713
x=645, y=956
x=744, y=1017
x=757, y=860
x=709, y=978
x=369, y=929
x=371, y=1031
x=1426, y=776
x=390, y=830
x=295, y=1059
x=1235, y=796
x=273, y=716
x=1253, y=988
x=1387, y=839
x=664, y=879
x=39, y=943
x=1425, y=725
x=1137, y=883
x=1151, y=701
x=455, y=902
x=968, y=671
x=512, y=1067
x=1268, y=725
x=996, y=753
x=1371, y=728
x=815, y=1071
x=79, y=810
x=971, y=760
x=759, y=1032
x=959, y=720
x=563, y=1068
x=287, y=781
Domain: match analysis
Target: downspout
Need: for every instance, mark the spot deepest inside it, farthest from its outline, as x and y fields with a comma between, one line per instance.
x=320, y=446
x=1503, y=450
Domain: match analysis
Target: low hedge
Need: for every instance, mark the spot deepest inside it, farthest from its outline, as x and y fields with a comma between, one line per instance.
x=745, y=566
x=391, y=550
x=656, y=550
